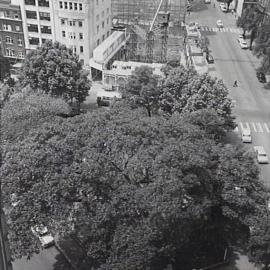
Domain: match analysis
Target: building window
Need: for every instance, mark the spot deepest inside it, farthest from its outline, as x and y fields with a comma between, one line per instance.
x=81, y=49
x=82, y=62
x=108, y=33
x=10, y=52
x=61, y=4
x=9, y=40
x=46, y=29
x=81, y=35
x=80, y=23
x=44, y=16
x=70, y=5
x=31, y=14
x=63, y=33
x=66, y=5
x=108, y=20
x=20, y=42
x=63, y=21
x=20, y=54
x=102, y=14
x=97, y=17
x=97, y=28
x=75, y=6
x=102, y=24
x=97, y=2
x=98, y=41
x=43, y=3
x=7, y=27
x=74, y=48
x=34, y=41
x=30, y=2
x=17, y=28
x=103, y=37
x=72, y=23
x=72, y=35
x=108, y=10
x=32, y=28
x=80, y=6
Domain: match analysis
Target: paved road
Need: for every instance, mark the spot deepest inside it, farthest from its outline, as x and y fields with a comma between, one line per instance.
x=251, y=100
x=48, y=259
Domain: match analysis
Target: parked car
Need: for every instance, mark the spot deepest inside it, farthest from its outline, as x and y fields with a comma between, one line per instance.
x=220, y=24
x=261, y=76
x=246, y=135
x=43, y=235
x=224, y=8
x=106, y=98
x=243, y=44
x=261, y=155
x=210, y=59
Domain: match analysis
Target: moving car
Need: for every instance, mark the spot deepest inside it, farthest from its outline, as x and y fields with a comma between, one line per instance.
x=242, y=43
x=224, y=8
x=210, y=59
x=219, y=24
x=261, y=155
x=261, y=77
x=246, y=135
x=106, y=98
x=43, y=235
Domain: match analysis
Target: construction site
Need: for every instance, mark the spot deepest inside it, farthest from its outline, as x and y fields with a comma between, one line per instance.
x=154, y=27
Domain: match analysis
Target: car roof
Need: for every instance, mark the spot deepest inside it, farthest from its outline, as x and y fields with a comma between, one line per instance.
x=246, y=131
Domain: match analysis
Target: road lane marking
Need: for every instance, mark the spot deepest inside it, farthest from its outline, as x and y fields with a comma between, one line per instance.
x=247, y=124
x=215, y=29
x=241, y=125
x=254, y=127
x=266, y=127
x=260, y=127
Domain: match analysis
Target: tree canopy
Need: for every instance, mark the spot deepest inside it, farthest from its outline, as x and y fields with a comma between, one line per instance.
x=56, y=70
x=138, y=192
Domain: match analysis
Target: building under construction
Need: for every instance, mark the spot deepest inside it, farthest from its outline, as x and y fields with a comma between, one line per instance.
x=154, y=27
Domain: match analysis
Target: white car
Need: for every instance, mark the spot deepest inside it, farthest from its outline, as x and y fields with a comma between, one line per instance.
x=224, y=8
x=222, y=5
x=243, y=44
x=219, y=24
x=246, y=135
x=43, y=235
x=261, y=155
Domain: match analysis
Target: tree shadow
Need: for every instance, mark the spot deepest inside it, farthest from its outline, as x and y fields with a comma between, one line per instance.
x=61, y=263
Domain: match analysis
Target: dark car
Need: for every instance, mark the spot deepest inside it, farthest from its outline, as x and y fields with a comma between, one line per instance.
x=261, y=77
x=210, y=59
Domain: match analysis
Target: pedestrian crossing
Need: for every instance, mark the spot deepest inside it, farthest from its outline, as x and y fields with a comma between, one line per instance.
x=224, y=29
x=256, y=127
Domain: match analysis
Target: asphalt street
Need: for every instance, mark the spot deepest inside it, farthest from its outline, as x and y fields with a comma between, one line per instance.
x=251, y=101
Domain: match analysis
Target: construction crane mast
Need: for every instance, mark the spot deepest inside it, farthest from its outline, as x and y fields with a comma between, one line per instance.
x=163, y=21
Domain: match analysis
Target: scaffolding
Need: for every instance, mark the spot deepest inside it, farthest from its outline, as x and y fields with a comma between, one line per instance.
x=164, y=41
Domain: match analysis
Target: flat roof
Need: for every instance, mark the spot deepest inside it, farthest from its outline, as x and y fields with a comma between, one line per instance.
x=109, y=41
x=137, y=64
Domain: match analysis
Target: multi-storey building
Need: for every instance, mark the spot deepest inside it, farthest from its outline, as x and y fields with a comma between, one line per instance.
x=11, y=32
x=79, y=24
x=264, y=7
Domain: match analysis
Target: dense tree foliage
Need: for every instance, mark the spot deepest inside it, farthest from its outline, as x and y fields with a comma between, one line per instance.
x=56, y=70
x=138, y=192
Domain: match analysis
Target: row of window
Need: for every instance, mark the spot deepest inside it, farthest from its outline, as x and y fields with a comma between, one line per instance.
x=35, y=41
x=41, y=3
x=72, y=35
x=74, y=48
x=11, y=53
x=70, y=5
x=10, y=14
x=103, y=38
x=10, y=40
x=42, y=15
x=8, y=27
x=44, y=29
x=102, y=25
x=102, y=14
x=71, y=23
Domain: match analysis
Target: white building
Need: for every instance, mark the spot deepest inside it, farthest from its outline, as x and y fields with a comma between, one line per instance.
x=79, y=24
x=121, y=71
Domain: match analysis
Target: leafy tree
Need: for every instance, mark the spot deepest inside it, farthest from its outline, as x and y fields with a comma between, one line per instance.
x=26, y=110
x=249, y=21
x=142, y=89
x=56, y=70
x=137, y=191
x=185, y=91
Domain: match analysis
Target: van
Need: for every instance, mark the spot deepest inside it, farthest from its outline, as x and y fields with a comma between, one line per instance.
x=261, y=155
